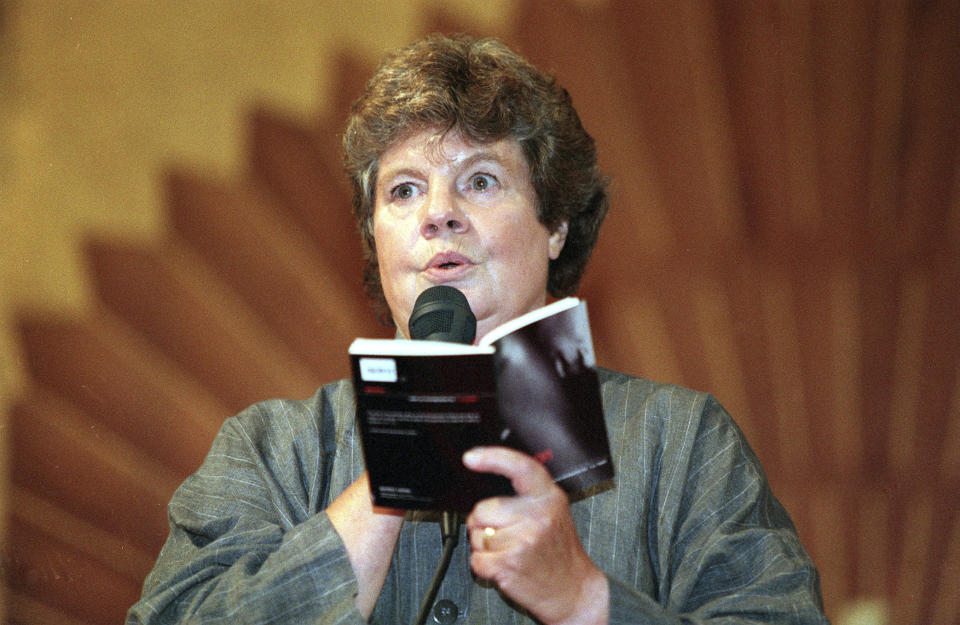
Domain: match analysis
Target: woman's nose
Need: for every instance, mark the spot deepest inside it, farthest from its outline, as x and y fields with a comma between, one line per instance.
x=442, y=215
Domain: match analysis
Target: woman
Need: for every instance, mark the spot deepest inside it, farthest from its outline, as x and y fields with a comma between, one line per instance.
x=470, y=168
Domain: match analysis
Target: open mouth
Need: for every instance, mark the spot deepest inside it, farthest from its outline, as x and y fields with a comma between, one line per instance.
x=448, y=261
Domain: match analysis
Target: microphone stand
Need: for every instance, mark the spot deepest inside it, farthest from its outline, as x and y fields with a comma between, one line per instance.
x=442, y=313
x=450, y=531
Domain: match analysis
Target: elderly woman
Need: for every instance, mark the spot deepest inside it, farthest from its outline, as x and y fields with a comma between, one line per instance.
x=471, y=169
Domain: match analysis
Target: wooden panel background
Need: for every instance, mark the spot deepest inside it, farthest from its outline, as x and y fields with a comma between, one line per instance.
x=785, y=233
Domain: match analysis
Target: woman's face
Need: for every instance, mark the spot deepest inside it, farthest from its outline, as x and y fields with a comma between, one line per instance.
x=449, y=211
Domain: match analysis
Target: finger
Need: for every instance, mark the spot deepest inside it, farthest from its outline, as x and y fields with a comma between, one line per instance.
x=502, y=512
x=526, y=474
x=484, y=564
x=486, y=539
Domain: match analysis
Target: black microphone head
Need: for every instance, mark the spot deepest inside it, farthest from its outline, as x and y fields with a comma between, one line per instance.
x=442, y=313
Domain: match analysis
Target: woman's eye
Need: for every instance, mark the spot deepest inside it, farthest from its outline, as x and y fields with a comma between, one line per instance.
x=403, y=191
x=482, y=182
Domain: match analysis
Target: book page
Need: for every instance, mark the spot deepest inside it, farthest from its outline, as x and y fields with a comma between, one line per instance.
x=407, y=347
x=531, y=317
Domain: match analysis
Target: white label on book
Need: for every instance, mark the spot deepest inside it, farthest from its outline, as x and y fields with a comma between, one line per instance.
x=378, y=369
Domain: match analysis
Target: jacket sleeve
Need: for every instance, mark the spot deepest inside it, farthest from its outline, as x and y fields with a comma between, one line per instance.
x=721, y=547
x=249, y=542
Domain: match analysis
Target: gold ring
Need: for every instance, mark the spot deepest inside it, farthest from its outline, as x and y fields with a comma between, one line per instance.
x=488, y=533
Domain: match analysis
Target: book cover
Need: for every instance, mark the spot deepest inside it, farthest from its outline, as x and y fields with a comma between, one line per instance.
x=531, y=384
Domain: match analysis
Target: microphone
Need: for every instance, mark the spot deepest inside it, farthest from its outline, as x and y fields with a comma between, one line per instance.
x=442, y=313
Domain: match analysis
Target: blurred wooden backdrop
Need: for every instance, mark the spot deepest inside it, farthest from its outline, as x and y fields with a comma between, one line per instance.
x=785, y=233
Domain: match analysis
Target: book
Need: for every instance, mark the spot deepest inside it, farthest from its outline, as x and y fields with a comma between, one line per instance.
x=530, y=384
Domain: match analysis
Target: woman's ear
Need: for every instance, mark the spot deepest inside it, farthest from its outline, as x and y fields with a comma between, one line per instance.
x=557, y=239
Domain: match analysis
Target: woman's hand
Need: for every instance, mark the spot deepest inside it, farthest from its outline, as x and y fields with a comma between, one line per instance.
x=528, y=544
x=369, y=535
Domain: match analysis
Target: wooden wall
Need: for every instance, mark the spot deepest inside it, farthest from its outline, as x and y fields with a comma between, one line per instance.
x=785, y=233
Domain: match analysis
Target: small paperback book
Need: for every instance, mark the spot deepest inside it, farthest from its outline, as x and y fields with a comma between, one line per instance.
x=530, y=384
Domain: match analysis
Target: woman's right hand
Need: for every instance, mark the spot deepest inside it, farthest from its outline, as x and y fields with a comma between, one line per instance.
x=369, y=535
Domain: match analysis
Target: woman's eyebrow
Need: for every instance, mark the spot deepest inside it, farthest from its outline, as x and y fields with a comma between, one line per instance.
x=388, y=177
x=400, y=172
x=484, y=156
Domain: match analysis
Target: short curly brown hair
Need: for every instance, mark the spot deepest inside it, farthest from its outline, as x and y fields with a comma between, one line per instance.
x=487, y=92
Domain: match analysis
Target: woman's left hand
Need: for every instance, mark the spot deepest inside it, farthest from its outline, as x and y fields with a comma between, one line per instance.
x=528, y=544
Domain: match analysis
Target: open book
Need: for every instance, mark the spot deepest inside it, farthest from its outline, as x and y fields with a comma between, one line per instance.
x=529, y=384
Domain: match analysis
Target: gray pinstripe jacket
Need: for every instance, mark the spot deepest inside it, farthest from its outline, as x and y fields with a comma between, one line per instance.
x=690, y=532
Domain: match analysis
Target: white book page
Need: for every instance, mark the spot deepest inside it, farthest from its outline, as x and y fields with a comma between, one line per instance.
x=523, y=320
x=406, y=347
